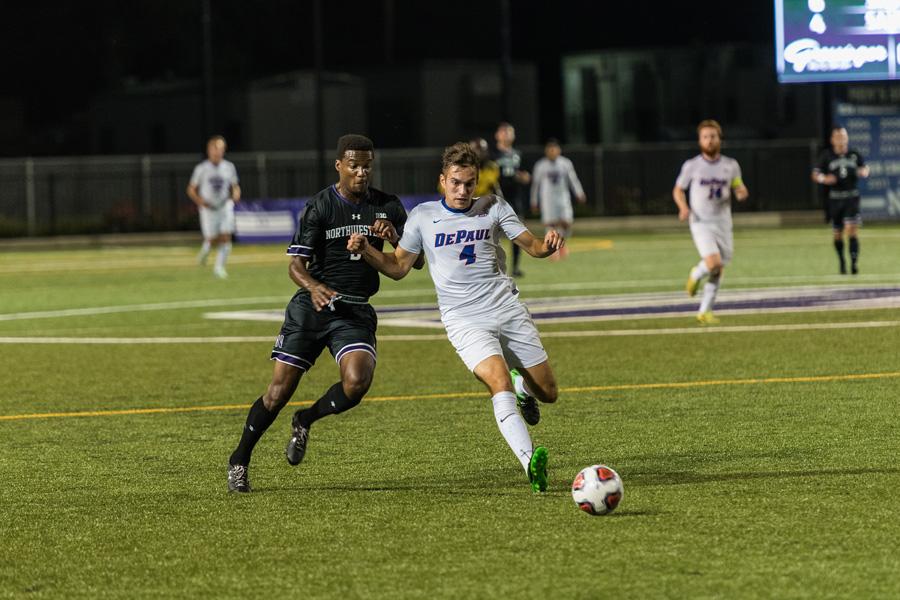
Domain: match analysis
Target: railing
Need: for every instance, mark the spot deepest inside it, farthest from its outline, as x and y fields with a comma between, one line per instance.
x=45, y=196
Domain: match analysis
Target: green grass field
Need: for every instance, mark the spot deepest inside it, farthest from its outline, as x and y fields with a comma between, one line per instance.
x=758, y=461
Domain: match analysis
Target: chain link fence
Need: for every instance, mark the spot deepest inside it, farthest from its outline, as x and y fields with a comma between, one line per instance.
x=109, y=194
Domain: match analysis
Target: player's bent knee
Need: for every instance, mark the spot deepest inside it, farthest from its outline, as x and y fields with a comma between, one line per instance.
x=356, y=384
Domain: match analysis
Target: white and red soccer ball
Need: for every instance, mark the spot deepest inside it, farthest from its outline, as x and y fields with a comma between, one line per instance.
x=597, y=490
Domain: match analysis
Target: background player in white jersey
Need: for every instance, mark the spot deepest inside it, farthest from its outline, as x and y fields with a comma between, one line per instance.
x=214, y=189
x=485, y=321
x=551, y=179
x=710, y=177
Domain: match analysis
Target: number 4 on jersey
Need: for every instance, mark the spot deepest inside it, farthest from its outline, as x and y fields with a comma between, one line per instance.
x=468, y=254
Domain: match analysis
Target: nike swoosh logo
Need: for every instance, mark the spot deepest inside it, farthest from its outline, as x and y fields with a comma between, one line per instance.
x=436, y=221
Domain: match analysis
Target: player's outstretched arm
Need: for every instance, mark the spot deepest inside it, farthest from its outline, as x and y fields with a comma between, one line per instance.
x=540, y=248
x=395, y=265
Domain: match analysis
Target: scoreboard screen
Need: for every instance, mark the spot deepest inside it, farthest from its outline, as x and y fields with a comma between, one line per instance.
x=837, y=40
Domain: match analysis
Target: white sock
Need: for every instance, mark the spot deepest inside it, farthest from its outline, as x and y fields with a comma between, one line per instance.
x=520, y=386
x=513, y=428
x=204, y=250
x=222, y=256
x=700, y=271
x=709, y=295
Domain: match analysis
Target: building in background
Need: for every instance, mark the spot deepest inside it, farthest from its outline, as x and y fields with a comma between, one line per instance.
x=650, y=95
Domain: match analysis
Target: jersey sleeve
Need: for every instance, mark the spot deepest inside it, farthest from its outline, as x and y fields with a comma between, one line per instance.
x=398, y=215
x=195, y=176
x=537, y=174
x=507, y=219
x=411, y=240
x=309, y=232
x=685, y=175
x=573, y=179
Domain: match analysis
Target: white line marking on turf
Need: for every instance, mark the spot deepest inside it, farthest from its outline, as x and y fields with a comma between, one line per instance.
x=103, y=310
x=431, y=337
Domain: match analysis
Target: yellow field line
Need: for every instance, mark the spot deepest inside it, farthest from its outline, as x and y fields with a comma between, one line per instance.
x=594, y=388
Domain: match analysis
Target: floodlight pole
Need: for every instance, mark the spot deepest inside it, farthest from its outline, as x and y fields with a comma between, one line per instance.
x=317, y=92
x=207, y=70
x=505, y=62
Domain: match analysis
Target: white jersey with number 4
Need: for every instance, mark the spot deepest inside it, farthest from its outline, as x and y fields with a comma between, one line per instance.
x=709, y=183
x=464, y=255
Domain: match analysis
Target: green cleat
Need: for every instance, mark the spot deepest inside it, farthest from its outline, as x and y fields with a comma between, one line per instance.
x=528, y=405
x=537, y=470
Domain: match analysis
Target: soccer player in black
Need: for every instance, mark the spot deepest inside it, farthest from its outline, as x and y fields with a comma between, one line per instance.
x=838, y=169
x=331, y=309
x=513, y=180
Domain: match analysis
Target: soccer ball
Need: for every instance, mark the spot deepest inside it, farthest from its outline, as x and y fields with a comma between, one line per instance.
x=597, y=490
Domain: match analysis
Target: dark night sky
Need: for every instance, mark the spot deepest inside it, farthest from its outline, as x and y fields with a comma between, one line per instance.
x=57, y=55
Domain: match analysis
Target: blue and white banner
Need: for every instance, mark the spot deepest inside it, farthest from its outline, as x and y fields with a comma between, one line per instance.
x=275, y=221
x=874, y=132
x=837, y=40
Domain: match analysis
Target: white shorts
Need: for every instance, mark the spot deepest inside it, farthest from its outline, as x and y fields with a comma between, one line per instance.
x=713, y=238
x=217, y=221
x=556, y=210
x=510, y=333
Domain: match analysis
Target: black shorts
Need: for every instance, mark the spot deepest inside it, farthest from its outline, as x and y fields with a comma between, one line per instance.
x=844, y=211
x=350, y=327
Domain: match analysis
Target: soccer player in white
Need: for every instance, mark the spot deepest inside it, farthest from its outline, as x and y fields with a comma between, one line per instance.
x=214, y=188
x=485, y=321
x=710, y=177
x=551, y=179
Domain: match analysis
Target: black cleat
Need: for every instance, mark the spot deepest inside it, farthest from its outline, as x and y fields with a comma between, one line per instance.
x=238, y=480
x=843, y=269
x=854, y=270
x=296, y=446
x=528, y=405
x=518, y=273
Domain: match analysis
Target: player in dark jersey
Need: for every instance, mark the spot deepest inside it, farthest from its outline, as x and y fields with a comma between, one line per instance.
x=513, y=180
x=331, y=309
x=839, y=168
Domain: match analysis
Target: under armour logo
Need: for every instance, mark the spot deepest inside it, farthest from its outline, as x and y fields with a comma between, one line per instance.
x=356, y=217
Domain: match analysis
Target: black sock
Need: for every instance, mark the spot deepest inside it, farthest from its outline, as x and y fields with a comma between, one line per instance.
x=258, y=420
x=854, y=250
x=333, y=402
x=839, y=247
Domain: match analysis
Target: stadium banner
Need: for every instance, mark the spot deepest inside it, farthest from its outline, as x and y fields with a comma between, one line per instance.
x=874, y=132
x=275, y=220
x=836, y=40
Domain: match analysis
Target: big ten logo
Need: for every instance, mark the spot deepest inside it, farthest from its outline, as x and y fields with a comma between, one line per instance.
x=279, y=341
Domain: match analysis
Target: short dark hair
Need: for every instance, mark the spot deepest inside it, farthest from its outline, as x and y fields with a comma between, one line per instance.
x=551, y=142
x=460, y=154
x=216, y=138
x=353, y=141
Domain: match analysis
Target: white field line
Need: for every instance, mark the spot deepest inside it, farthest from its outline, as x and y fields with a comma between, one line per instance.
x=125, y=308
x=119, y=263
x=420, y=292
x=433, y=337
